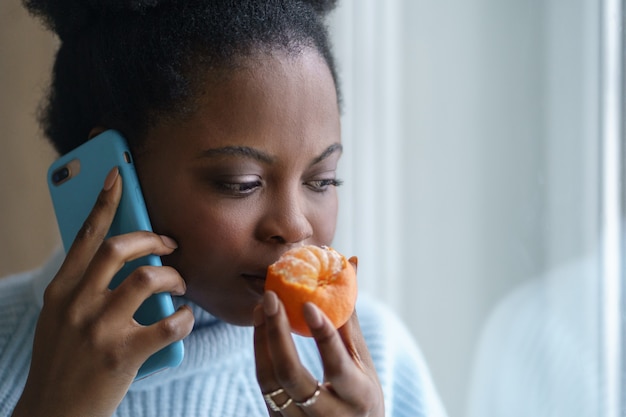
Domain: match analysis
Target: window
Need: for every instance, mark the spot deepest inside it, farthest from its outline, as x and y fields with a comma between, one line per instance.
x=483, y=155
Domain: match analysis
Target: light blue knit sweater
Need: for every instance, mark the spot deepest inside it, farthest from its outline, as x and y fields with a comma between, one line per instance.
x=217, y=376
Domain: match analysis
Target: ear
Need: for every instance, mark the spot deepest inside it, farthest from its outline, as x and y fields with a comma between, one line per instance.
x=96, y=131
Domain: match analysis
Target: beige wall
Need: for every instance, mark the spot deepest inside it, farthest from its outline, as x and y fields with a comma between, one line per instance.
x=28, y=232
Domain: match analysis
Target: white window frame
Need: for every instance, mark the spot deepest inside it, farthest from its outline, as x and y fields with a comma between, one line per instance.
x=613, y=192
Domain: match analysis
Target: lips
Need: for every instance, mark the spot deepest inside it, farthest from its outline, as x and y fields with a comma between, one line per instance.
x=255, y=271
x=256, y=281
x=253, y=276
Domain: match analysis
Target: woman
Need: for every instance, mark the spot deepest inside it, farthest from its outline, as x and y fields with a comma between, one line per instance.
x=231, y=109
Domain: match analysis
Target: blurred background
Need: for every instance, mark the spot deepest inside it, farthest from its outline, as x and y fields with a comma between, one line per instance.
x=472, y=188
x=28, y=232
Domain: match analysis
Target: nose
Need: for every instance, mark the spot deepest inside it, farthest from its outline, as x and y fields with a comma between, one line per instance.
x=285, y=221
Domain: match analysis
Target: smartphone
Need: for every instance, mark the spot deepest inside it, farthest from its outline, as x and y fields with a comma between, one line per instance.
x=74, y=181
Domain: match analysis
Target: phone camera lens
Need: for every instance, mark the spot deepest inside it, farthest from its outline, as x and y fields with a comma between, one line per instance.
x=60, y=175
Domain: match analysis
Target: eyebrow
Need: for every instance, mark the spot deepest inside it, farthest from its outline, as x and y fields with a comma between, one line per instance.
x=335, y=147
x=258, y=155
x=245, y=151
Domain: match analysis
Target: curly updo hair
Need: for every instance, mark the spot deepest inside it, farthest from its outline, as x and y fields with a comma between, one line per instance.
x=126, y=64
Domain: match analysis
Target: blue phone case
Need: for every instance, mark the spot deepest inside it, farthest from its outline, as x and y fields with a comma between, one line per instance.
x=73, y=198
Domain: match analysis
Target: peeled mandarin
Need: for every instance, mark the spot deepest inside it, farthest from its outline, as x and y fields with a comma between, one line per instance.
x=314, y=274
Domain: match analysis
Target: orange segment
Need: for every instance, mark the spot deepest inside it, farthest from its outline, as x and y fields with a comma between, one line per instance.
x=314, y=274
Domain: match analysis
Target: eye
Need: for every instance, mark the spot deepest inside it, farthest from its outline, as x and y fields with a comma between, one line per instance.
x=320, y=186
x=239, y=188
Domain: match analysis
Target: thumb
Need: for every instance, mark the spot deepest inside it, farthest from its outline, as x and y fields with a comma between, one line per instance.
x=355, y=262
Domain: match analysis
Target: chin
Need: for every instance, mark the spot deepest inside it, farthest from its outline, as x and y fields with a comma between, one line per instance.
x=232, y=310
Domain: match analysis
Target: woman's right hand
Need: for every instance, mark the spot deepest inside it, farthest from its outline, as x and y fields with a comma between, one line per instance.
x=87, y=347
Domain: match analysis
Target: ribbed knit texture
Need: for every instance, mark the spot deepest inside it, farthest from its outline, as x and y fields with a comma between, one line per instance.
x=18, y=316
x=217, y=377
x=539, y=353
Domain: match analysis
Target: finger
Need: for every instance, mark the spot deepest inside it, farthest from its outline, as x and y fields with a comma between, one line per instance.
x=353, y=337
x=355, y=262
x=141, y=284
x=355, y=344
x=264, y=366
x=117, y=250
x=270, y=389
x=146, y=340
x=95, y=227
x=340, y=370
x=289, y=372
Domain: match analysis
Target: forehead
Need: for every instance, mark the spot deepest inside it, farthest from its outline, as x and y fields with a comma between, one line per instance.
x=275, y=101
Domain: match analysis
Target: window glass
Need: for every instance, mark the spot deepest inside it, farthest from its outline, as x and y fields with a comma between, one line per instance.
x=473, y=193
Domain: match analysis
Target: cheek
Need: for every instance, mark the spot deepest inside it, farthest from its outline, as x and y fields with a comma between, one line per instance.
x=210, y=245
x=199, y=225
x=212, y=230
x=324, y=220
x=203, y=228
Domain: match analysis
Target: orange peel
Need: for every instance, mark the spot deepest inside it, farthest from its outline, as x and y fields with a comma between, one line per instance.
x=316, y=274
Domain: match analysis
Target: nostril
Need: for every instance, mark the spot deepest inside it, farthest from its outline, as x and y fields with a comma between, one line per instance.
x=278, y=239
x=284, y=224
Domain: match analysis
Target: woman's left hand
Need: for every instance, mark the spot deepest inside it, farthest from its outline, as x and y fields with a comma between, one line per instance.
x=350, y=386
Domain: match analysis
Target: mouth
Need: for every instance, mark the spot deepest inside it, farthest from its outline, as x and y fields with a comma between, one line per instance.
x=256, y=281
x=254, y=277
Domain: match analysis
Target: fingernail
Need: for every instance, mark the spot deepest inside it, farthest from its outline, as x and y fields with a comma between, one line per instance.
x=169, y=242
x=110, y=179
x=312, y=315
x=354, y=261
x=182, y=290
x=258, y=317
x=185, y=307
x=270, y=303
x=190, y=310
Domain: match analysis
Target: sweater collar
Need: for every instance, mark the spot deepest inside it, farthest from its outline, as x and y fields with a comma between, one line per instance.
x=213, y=347
x=46, y=273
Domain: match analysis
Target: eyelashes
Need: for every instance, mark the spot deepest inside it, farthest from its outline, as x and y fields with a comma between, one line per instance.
x=321, y=186
x=242, y=189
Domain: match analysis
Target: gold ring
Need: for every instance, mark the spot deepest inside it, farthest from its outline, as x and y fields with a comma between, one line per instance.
x=269, y=400
x=312, y=399
x=272, y=394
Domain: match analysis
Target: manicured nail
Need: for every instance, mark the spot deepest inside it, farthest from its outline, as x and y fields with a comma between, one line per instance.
x=169, y=242
x=313, y=315
x=182, y=290
x=258, y=317
x=270, y=303
x=185, y=307
x=354, y=261
x=110, y=179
